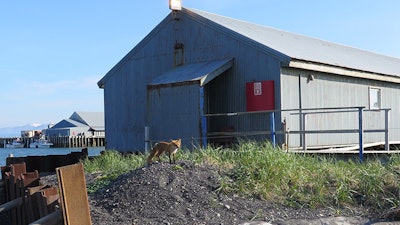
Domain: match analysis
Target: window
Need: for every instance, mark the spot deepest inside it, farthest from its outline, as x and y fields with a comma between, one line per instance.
x=374, y=98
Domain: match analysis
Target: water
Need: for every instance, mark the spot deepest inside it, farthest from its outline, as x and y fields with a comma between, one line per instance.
x=22, y=152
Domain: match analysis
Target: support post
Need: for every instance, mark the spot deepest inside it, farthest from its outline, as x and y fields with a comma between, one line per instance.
x=387, y=148
x=272, y=128
x=147, y=138
x=203, y=119
x=360, y=133
x=303, y=130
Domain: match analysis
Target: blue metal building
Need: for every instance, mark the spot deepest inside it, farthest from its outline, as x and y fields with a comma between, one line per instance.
x=89, y=124
x=195, y=63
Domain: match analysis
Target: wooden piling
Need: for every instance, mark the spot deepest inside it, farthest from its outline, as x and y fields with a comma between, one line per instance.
x=61, y=142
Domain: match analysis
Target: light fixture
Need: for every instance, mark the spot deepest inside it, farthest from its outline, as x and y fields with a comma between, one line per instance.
x=310, y=77
x=175, y=5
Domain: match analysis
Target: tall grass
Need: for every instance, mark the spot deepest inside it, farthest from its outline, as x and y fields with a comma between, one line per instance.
x=298, y=180
x=110, y=165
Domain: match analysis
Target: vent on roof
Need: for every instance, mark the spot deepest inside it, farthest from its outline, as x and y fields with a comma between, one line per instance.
x=178, y=53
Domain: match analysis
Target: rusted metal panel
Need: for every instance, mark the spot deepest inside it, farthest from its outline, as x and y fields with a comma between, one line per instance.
x=27, y=200
x=73, y=195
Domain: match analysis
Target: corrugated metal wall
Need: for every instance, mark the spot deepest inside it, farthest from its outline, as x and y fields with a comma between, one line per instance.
x=127, y=101
x=125, y=90
x=328, y=90
x=125, y=93
x=173, y=112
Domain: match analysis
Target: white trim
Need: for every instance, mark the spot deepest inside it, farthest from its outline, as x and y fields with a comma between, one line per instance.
x=377, y=100
x=342, y=71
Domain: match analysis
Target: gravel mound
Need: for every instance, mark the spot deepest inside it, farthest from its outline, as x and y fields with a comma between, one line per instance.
x=186, y=193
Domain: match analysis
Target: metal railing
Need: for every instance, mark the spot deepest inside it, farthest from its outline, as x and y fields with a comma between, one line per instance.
x=271, y=132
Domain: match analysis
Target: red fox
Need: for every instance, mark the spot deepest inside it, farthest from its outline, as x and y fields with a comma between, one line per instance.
x=169, y=148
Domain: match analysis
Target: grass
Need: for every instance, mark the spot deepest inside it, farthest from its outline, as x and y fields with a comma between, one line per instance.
x=297, y=180
x=110, y=165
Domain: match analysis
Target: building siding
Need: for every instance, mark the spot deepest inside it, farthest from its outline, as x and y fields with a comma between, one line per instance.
x=330, y=90
x=125, y=91
x=130, y=105
x=173, y=112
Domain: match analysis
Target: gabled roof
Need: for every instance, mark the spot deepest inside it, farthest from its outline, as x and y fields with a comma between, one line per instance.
x=284, y=45
x=306, y=48
x=91, y=119
x=66, y=123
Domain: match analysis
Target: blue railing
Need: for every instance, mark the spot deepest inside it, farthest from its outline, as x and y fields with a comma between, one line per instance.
x=303, y=131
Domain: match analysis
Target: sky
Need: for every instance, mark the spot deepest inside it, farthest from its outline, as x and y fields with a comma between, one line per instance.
x=53, y=53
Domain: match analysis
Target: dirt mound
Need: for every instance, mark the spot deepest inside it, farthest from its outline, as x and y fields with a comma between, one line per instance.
x=186, y=194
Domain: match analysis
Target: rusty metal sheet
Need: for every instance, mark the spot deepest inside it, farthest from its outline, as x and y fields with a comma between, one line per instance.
x=49, y=191
x=29, y=179
x=18, y=169
x=73, y=195
x=32, y=190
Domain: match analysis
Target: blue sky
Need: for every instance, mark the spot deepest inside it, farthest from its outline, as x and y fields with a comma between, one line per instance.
x=52, y=53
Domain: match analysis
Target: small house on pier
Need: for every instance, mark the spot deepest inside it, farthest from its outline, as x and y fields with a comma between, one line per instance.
x=87, y=124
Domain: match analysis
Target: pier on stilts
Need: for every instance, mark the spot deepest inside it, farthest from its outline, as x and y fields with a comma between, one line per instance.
x=61, y=142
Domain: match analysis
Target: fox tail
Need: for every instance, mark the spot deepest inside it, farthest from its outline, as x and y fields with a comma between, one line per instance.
x=152, y=154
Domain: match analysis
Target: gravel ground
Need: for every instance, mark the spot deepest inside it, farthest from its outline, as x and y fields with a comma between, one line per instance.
x=188, y=194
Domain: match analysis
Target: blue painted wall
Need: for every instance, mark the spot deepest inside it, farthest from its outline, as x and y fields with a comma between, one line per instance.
x=125, y=87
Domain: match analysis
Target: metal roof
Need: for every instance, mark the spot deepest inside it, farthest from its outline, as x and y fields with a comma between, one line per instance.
x=66, y=123
x=202, y=72
x=92, y=119
x=306, y=48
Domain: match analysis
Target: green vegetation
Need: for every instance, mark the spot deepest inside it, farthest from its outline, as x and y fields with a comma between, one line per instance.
x=298, y=180
x=110, y=165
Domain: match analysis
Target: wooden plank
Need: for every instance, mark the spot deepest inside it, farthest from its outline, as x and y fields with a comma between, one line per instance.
x=73, y=195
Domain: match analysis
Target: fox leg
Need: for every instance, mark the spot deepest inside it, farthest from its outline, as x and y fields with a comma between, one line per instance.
x=158, y=156
x=173, y=158
x=169, y=156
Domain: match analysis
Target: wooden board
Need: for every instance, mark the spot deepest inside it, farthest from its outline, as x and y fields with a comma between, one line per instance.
x=73, y=195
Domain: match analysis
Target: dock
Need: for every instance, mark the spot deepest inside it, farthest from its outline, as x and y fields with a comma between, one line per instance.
x=62, y=142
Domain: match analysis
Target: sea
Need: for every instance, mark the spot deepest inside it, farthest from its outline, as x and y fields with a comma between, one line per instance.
x=22, y=152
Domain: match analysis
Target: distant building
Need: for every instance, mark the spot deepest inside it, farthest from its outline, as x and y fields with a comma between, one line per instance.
x=89, y=124
x=31, y=133
x=195, y=63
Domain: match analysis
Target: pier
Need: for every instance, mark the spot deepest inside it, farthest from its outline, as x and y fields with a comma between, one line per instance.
x=61, y=142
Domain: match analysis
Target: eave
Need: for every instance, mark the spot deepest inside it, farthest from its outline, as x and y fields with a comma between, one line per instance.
x=325, y=68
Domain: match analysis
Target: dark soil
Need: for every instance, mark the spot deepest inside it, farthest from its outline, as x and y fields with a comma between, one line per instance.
x=186, y=193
